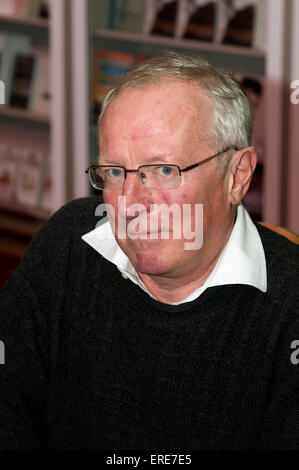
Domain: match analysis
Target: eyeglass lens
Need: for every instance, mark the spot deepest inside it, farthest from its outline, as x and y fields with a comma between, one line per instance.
x=152, y=176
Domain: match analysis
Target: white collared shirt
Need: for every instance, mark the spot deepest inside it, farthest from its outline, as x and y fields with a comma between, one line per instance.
x=242, y=260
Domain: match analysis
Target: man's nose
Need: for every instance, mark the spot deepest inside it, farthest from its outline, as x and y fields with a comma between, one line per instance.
x=135, y=191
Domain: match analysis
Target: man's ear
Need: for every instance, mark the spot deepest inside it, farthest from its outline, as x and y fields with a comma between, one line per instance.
x=241, y=169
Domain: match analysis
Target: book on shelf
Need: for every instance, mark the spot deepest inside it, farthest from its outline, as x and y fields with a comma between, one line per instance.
x=196, y=19
x=11, y=46
x=240, y=22
x=46, y=188
x=25, y=8
x=22, y=81
x=23, y=163
x=44, y=10
x=40, y=100
x=126, y=15
x=21, y=174
x=30, y=89
x=29, y=177
x=2, y=43
x=108, y=67
x=160, y=17
x=7, y=178
x=7, y=173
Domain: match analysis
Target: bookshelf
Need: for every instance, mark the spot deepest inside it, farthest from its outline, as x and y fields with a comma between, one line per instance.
x=24, y=115
x=49, y=34
x=275, y=64
x=24, y=212
x=190, y=44
x=23, y=22
x=251, y=60
x=20, y=221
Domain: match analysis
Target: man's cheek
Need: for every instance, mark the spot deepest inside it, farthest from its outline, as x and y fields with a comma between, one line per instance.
x=110, y=197
x=171, y=196
x=111, y=200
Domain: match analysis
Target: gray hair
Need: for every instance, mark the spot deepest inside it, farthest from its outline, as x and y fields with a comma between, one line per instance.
x=233, y=114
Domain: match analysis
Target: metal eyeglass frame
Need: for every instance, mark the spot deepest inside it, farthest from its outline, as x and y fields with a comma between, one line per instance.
x=190, y=167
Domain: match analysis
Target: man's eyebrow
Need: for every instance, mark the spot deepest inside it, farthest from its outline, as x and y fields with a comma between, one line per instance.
x=163, y=158
x=108, y=161
x=155, y=159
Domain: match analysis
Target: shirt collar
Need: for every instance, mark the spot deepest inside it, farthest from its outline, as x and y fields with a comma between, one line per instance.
x=242, y=260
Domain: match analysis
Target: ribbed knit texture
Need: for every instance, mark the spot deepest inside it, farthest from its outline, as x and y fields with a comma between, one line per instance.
x=92, y=362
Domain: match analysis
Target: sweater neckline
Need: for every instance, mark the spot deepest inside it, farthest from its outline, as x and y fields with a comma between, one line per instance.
x=168, y=315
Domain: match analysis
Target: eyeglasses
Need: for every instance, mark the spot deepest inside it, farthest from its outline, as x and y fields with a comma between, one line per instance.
x=157, y=176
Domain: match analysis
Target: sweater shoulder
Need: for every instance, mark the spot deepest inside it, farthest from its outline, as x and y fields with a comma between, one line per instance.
x=47, y=256
x=66, y=226
x=282, y=260
x=74, y=219
x=278, y=246
x=78, y=214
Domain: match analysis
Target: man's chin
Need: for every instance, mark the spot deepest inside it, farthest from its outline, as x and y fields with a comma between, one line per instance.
x=151, y=265
x=149, y=256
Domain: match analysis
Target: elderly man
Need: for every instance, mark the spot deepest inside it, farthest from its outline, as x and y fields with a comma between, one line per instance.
x=172, y=325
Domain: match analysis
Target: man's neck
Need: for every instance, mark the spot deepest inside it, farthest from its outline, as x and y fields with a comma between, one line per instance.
x=169, y=289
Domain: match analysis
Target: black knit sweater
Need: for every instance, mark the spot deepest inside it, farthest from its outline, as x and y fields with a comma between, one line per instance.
x=92, y=361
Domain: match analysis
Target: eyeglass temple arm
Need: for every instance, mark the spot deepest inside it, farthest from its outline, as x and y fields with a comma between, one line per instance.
x=233, y=147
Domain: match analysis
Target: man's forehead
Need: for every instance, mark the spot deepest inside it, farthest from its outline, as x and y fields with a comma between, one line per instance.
x=152, y=109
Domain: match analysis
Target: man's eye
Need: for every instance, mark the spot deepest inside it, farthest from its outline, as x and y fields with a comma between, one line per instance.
x=165, y=170
x=113, y=172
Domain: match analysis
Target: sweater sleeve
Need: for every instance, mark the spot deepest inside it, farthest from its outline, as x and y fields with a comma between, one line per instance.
x=280, y=427
x=26, y=304
x=32, y=304
x=22, y=375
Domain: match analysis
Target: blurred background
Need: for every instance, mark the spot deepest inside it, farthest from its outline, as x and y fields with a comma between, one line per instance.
x=58, y=58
